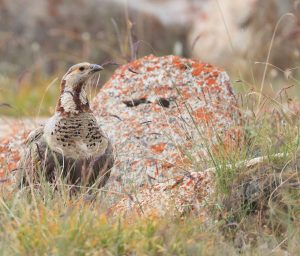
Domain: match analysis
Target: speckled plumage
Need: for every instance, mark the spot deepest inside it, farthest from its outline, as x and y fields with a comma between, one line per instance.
x=76, y=136
x=71, y=143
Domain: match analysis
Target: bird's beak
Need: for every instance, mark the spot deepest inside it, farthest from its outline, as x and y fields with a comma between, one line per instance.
x=96, y=68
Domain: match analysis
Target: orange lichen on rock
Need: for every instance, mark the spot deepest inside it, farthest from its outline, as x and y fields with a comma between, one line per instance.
x=211, y=81
x=178, y=63
x=202, y=114
x=135, y=65
x=158, y=148
x=197, y=68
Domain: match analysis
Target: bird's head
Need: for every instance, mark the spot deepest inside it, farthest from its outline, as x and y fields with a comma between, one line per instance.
x=73, y=98
x=80, y=73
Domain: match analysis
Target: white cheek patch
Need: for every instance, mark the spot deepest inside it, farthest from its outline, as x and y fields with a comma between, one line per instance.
x=67, y=102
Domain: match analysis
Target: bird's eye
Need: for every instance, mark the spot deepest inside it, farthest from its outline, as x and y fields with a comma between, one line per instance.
x=81, y=68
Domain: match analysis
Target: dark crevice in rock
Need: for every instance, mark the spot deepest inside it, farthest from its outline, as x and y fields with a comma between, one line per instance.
x=133, y=71
x=164, y=102
x=136, y=102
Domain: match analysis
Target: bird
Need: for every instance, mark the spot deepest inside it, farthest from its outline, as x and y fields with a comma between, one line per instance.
x=71, y=143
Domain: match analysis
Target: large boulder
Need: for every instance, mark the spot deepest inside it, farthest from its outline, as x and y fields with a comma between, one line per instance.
x=165, y=116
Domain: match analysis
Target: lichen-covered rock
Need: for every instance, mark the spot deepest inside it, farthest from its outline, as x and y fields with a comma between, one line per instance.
x=164, y=114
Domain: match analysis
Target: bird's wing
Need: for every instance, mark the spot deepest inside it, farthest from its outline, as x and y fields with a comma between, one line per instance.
x=34, y=136
x=32, y=155
x=102, y=165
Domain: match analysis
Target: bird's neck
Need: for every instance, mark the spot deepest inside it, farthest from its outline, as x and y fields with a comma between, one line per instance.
x=73, y=100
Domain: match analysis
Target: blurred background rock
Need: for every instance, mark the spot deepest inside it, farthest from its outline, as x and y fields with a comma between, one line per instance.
x=39, y=39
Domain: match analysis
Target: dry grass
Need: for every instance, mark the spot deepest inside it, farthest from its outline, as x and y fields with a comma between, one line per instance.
x=254, y=210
